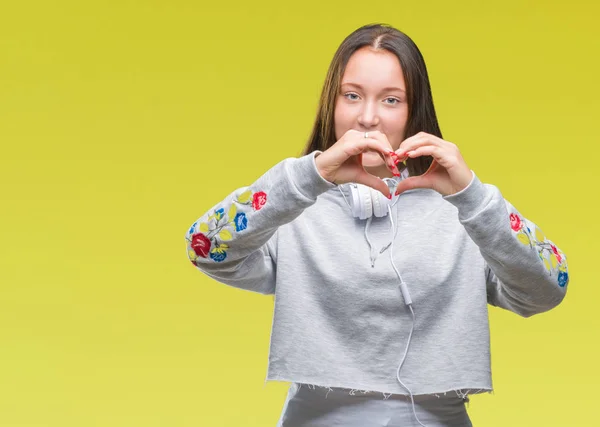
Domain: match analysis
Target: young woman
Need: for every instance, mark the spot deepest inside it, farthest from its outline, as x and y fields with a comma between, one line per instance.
x=382, y=248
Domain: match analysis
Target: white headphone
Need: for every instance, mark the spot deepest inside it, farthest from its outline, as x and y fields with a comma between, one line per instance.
x=367, y=201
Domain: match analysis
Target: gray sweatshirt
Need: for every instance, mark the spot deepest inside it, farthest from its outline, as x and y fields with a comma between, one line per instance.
x=339, y=316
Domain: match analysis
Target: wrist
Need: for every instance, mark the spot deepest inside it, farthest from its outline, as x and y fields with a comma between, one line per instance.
x=321, y=168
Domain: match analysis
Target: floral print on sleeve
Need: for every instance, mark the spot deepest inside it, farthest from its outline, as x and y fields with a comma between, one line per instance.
x=553, y=259
x=207, y=239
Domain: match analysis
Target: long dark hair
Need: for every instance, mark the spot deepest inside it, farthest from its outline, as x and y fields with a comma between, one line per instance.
x=421, y=112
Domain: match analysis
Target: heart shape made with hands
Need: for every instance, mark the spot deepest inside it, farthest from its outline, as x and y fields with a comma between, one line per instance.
x=392, y=183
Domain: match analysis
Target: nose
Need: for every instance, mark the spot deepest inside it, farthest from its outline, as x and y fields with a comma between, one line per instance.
x=368, y=116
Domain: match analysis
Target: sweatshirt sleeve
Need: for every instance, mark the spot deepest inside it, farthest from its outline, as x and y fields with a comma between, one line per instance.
x=526, y=273
x=235, y=241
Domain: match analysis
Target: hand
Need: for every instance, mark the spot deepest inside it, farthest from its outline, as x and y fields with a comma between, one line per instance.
x=448, y=173
x=342, y=162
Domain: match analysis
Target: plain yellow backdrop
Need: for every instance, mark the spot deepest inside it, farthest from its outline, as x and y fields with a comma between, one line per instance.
x=121, y=122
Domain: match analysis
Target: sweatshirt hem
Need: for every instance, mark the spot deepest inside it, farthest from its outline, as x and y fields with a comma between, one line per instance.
x=355, y=388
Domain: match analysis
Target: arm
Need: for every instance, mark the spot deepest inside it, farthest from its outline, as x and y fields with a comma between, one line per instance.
x=235, y=241
x=526, y=273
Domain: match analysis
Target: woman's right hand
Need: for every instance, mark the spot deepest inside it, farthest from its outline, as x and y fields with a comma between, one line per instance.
x=342, y=162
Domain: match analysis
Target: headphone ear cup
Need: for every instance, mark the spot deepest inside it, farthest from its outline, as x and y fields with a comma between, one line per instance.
x=367, y=201
x=366, y=206
x=380, y=203
x=356, y=203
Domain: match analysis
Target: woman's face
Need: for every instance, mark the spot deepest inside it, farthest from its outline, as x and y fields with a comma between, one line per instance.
x=372, y=97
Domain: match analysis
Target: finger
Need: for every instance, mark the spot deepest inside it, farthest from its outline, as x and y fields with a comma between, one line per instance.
x=374, y=182
x=384, y=150
x=370, y=144
x=392, y=160
x=415, y=143
x=396, y=159
x=410, y=139
x=380, y=136
x=419, y=138
x=389, y=159
x=421, y=135
x=353, y=147
x=426, y=150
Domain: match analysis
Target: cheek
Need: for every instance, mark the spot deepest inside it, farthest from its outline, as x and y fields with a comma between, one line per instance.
x=395, y=128
x=342, y=119
x=339, y=113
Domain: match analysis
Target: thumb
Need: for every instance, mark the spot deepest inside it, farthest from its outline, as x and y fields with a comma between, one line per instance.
x=411, y=183
x=374, y=182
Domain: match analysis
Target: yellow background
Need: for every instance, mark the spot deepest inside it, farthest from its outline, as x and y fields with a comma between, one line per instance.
x=121, y=122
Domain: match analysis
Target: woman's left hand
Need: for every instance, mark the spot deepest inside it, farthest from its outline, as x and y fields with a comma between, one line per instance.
x=448, y=173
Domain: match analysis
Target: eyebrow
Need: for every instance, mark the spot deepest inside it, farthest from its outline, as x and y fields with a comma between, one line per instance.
x=385, y=89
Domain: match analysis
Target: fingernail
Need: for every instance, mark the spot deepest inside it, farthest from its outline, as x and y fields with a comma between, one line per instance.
x=390, y=196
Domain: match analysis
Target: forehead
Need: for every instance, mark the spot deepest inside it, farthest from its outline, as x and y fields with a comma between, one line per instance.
x=374, y=67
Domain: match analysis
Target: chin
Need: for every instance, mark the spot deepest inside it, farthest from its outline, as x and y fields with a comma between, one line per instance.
x=371, y=160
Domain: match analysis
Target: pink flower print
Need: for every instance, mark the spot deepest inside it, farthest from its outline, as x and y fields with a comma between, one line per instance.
x=558, y=257
x=201, y=245
x=515, y=222
x=258, y=200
